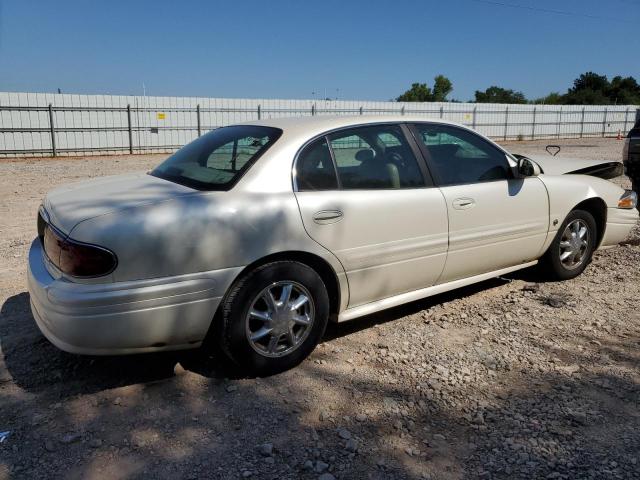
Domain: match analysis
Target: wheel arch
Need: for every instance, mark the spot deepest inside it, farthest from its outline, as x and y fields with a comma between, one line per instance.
x=598, y=209
x=317, y=263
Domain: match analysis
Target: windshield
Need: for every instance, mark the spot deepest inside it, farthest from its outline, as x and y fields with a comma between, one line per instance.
x=218, y=159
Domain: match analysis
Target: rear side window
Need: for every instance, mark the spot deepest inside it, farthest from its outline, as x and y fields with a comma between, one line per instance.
x=218, y=159
x=314, y=168
x=459, y=156
x=375, y=157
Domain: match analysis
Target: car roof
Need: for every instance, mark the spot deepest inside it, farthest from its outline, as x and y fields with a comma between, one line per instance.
x=314, y=125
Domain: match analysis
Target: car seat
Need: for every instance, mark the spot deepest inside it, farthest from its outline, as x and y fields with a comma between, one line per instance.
x=376, y=172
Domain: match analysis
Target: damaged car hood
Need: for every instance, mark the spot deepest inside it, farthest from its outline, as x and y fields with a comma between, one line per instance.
x=562, y=165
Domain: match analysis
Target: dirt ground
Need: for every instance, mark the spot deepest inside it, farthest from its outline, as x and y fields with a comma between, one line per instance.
x=511, y=378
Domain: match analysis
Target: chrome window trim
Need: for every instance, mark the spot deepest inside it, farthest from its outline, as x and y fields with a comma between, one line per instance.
x=427, y=158
x=429, y=181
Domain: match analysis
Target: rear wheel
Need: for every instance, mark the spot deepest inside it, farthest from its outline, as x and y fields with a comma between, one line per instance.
x=274, y=317
x=572, y=248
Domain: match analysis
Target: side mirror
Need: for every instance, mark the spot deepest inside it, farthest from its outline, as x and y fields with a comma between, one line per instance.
x=528, y=168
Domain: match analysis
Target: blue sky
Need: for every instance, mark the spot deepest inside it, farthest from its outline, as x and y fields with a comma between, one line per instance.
x=369, y=50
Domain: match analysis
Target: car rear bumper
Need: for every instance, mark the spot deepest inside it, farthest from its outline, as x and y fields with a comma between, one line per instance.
x=620, y=222
x=139, y=316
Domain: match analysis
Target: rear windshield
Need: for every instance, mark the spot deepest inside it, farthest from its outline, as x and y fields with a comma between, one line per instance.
x=218, y=159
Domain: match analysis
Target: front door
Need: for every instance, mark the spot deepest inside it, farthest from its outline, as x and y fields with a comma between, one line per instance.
x=495, y=220
x=363, y=196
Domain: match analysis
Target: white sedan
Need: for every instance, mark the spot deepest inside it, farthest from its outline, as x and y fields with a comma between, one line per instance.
x=254, y=236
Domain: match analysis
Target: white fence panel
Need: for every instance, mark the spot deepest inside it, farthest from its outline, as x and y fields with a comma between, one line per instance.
x=108, y=124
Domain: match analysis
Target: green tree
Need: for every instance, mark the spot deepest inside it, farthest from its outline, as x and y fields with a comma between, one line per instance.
x=586, y=96
x=421, y=92
x=593, y=89
x=554, y=98
x=442, y=87
x=590, y=81
x=495, y=94
x=589, y=89
x=624, y=91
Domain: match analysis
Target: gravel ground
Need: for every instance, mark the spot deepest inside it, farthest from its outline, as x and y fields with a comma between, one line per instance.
x=511, y=378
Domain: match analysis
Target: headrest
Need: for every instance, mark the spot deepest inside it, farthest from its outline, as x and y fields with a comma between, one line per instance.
x=365, y=155
x=316, y=156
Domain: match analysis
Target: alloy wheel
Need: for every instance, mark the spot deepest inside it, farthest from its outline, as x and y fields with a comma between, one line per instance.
x=280, y=319
x=574, y=244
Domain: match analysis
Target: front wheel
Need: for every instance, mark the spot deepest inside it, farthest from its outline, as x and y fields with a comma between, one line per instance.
x=274, y=317
x=572, y=248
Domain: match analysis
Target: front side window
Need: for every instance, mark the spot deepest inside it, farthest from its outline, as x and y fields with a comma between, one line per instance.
x=375, y=157
x=459, y=156
x=218, y=159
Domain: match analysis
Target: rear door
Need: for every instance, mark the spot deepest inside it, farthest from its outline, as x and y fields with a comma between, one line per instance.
x=495, y=220
x=364, y=196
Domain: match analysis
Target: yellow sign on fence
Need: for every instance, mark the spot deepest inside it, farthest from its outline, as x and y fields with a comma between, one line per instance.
x=161, y=116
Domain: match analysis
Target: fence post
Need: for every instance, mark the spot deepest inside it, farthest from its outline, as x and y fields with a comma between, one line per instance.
x=360, y=109
x=259, y=111
x=506, y=121
x=533, y=126
x=198, y=119
x=441, y=112
x=53, y=132
x=559, y=123
x=604, y=123
x=313, y=109
x=582, y=124
x=475, y=111
x=130, y=130
x=402, y=110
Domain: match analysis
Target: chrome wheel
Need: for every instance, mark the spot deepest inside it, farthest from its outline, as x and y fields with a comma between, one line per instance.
x=574, y=244
x=280, y=319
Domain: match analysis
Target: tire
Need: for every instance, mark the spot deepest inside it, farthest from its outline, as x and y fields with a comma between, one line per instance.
x=552, y=262
x=262, y=292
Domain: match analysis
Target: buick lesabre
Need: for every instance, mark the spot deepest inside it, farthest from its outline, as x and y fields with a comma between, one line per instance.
x=254, y=236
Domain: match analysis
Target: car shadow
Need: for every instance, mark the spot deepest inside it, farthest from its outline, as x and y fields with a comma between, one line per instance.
x=37, y=366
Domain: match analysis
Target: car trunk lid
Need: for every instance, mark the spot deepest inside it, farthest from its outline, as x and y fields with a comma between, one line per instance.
x=71, y=204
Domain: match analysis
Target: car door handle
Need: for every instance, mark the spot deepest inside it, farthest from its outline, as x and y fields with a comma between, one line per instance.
x=463, y=203
x=324, y=217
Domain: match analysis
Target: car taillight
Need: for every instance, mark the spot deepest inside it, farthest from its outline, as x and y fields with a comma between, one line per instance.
x=75, y=258
x=42, y=223
x=52, y=242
